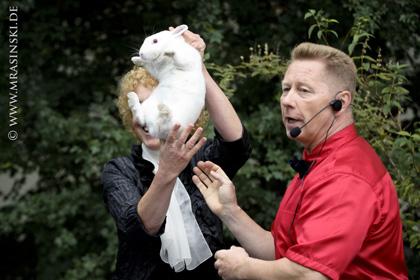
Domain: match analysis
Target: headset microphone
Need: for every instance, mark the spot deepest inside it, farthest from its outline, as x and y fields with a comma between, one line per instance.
x=335, y=104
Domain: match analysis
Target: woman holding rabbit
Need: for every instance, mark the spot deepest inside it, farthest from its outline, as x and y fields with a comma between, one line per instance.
x=165, y=229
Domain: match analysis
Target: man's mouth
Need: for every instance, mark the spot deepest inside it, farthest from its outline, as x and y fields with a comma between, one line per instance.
x=290, y=120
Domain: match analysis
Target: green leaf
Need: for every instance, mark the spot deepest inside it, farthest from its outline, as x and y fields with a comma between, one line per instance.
x=334, y=33
x=416, y=137
x=310, y=13
x=404, y=133
x=384, y=76
x=310, y=30
x=319, y=34
x=351, y=47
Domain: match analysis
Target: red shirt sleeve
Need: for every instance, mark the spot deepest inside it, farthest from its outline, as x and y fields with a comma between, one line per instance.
x=332, y=223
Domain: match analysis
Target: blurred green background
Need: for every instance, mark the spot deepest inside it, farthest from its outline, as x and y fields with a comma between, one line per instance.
x=71, y=54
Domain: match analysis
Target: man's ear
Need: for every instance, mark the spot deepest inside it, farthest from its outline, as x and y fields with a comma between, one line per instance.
x=346, y=98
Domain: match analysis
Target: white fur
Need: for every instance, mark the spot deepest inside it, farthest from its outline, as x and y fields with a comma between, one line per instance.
x=180, y=95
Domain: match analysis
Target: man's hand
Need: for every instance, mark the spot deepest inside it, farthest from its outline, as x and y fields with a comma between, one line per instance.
x=216, y=187
x=231, y=264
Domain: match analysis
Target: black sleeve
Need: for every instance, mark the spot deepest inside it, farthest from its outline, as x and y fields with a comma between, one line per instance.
x=121, y=197
x=230, y=156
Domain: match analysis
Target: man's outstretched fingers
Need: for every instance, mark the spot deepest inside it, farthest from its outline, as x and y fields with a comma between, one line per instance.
x=206, y=167
x=221, y=173
x=201, y=187
x=211, y=166
x=201, y=165
x=197, y=171
x=216, y=176
x=202, y=176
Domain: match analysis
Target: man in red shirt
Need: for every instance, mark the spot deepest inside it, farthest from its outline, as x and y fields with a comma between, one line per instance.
x=339, y=218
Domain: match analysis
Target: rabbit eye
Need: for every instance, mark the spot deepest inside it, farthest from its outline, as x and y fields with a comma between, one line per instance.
x=155, y=41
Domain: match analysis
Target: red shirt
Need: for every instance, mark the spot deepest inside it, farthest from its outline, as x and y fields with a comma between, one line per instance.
x=347, y=223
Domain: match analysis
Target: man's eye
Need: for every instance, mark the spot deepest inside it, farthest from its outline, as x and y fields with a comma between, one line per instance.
x=285, y=89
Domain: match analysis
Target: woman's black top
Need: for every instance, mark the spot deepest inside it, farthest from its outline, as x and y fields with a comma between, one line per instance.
x=126, y=179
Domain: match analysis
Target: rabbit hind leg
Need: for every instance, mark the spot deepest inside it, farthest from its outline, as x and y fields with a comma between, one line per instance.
x=164, y=120
x=135, y=107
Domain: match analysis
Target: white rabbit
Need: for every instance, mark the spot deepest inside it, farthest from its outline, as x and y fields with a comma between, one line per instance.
x=180, y=94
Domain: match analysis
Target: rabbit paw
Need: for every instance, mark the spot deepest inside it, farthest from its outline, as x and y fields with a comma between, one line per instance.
x=136, y=60
x=133, y=99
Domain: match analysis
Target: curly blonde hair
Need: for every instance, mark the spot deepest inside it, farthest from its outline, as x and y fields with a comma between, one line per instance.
x=129, y=82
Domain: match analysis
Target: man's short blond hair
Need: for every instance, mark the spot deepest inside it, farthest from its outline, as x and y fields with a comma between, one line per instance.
x=129, y=82
x=337, y=62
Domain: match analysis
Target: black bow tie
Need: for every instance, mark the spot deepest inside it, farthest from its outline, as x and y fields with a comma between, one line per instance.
x=301, y=166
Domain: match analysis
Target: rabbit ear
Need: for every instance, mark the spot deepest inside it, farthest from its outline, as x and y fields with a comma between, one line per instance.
x=179, y=30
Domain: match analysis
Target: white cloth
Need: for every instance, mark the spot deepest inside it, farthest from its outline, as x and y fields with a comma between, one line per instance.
x=183, y=243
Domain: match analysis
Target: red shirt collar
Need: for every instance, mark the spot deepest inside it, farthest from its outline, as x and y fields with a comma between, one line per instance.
x=333, y=142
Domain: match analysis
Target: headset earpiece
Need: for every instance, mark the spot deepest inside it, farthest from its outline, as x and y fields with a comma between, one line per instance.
x=336, y=105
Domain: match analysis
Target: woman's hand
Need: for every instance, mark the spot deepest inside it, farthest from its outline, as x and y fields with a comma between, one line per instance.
x=216, y=188
x=176, y=152
x=194, y=40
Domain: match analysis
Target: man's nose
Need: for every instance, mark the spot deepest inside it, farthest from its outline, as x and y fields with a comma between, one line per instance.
x=288, y=99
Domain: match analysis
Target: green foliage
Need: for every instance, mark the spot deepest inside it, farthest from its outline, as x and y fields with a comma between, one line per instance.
x=378, y=107
x=358, y=32
x=398, y=19
x=322, y=23
x=58, y=215
x=71, y=55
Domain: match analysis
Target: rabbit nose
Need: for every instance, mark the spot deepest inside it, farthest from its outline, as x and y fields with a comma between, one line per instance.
x=141, y=55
